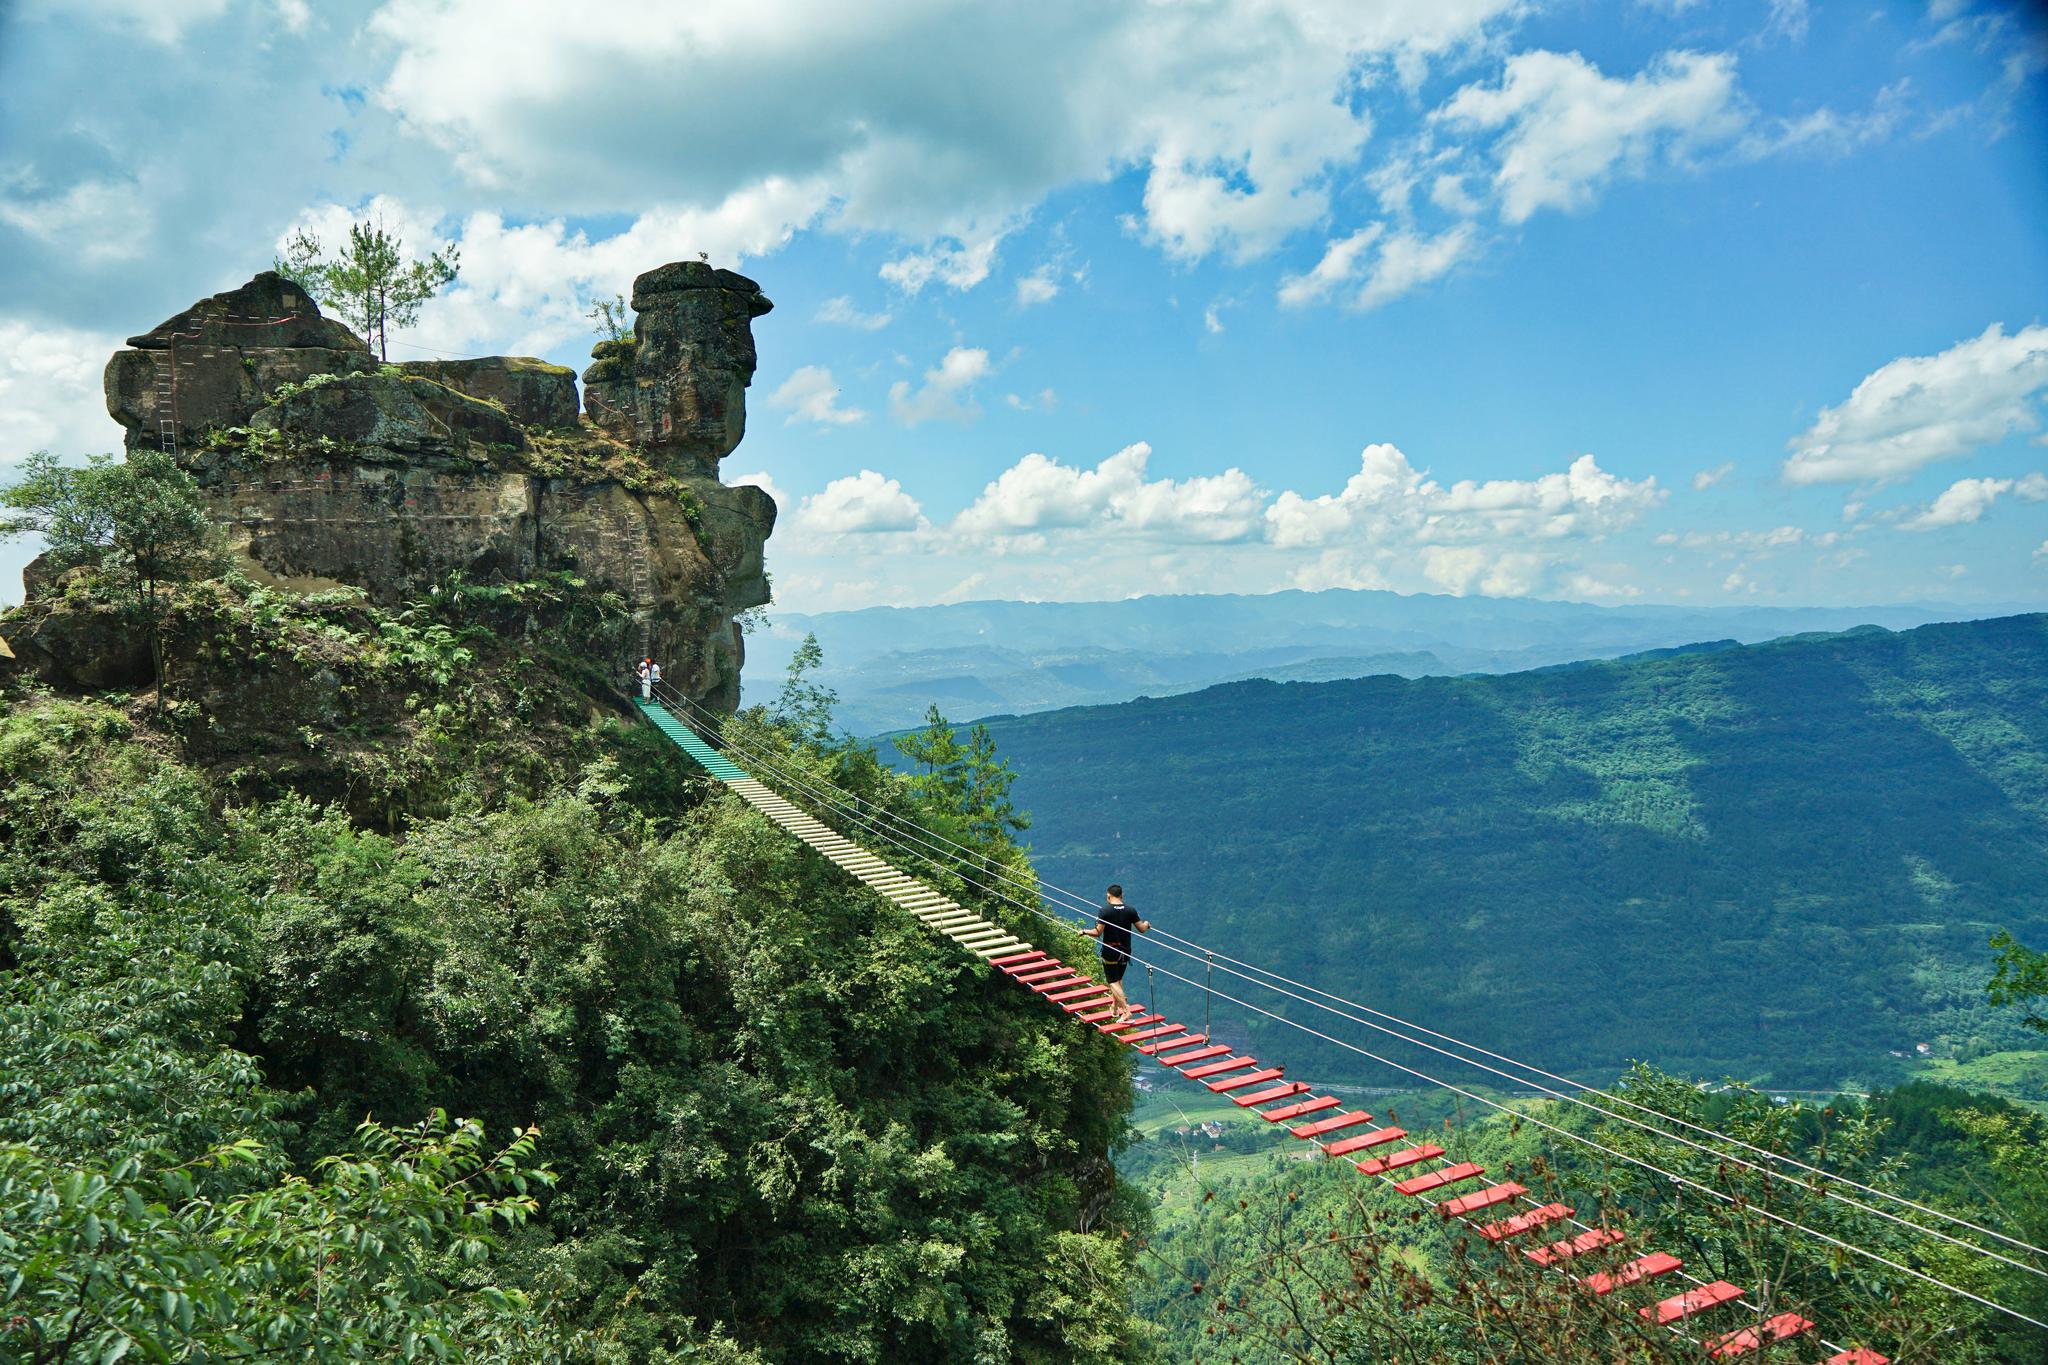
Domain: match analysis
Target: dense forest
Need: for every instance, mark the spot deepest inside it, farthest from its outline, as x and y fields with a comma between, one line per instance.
x=1782, y=861
x=523, y=1044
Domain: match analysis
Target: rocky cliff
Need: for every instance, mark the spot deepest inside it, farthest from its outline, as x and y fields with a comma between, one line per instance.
x=327, y=469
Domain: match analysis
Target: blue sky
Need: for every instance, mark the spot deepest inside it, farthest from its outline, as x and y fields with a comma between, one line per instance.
x=1666, y=301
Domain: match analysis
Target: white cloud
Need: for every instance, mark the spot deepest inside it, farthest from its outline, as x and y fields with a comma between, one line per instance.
x=1400, y=262
x=97, y=221
x=1967, y=500
x=160, y=21
x=859, y=504
x=1045, y=401
x=50, y=392
x=1338, y=264
x=1212, y=319
x=764, y=481
x=810, y=395
x=1407, y=261
x=841, y=312
x=1039, y=494
x=923, y=121
x=1919, y=409
x=1789, y=20
x=1590, y=585
x=1707, y=478
x=525, y=288
x=1389, y=499
x=958, y=266
x=2041, y=550
x=946, y=394
x=1568, y=129
x=1448, y=193
x=1040, y=286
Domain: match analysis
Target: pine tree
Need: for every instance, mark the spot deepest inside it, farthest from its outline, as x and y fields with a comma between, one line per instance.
x=943, y=781
x=371, y=284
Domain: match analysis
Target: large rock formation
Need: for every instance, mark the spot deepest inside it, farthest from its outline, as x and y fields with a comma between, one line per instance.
x=328, y=469
x=678, y=387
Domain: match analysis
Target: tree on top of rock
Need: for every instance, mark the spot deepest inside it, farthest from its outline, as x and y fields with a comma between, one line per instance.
x=371, y=284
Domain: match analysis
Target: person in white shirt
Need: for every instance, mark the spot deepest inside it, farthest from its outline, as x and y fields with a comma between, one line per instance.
x=646, y=675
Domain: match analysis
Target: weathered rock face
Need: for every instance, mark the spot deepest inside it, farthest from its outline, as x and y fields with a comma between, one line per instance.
x=328, y=470
x=532, y=392
x=678, y=389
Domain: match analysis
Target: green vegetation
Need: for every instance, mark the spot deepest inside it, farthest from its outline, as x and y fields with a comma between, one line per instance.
x=1259, y=1259
x=1783, y=861
x=718, y=1103
x=138, y=524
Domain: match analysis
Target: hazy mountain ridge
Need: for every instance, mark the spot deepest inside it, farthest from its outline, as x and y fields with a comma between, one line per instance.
x=888, y=663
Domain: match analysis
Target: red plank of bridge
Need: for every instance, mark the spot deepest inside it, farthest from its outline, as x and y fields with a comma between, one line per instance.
x=1482, y=1199
x=1378, y=1137
x=1574, y=1246
x=1525, y=1222
x=1436, y=1180
x=1218, y=1068
x=1089, y=1002
x=1159, y=1032
x=1126, y=1025
x=1742, y=1342
x=1331, y=1125
x=1015, y=959
x=1295, y=1111
x=1407, y=1156
x=1098, y=1015
x=1271, y=1073
x=1691, y=1301
x=1858, y=1355
x=1642, y=1268
x=1087, y=987
x=1170, y=1044
x=1059, y=981
x=1200, y=1054
x=1278, y=1092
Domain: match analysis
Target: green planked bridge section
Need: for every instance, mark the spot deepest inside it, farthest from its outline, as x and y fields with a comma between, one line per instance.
x=713, y=762
x=984, y=938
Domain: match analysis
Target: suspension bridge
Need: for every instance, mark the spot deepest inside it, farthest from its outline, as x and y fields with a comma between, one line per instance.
x=1600, y=1257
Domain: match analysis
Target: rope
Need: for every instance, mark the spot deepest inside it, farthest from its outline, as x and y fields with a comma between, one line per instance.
x=803, y=782
x=1088, y=909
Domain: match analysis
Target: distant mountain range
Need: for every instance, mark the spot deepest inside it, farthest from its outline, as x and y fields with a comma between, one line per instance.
x=1780, y=860
x=982, y=658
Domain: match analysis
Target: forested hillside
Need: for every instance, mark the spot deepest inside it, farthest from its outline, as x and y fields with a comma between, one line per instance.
x=547, y=1052
x=1782, y=860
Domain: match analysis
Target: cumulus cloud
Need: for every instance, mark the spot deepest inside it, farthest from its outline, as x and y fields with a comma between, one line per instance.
x=957, y=266
x=810, y=395
x=1039, y=494
x=1707, y=478
x=946, y=394
x=1399, y=263
x=527, y=287
x=1389, y=499
x=840, y=312
x=1566, y=129
x=1967, y=500
x=97, y=221
x=1040, y=286
x=862, y=503
x=1919, y=409
x=1239, y=111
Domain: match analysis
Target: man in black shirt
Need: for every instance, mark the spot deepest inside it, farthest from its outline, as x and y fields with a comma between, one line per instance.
x=1113, y=924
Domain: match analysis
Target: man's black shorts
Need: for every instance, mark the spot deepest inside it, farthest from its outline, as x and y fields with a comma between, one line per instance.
x=1113, y=967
